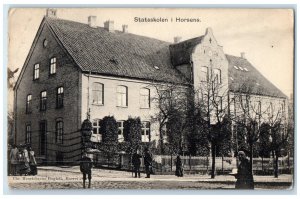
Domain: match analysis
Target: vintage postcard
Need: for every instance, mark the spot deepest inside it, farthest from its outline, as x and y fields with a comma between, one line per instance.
x=150, y=98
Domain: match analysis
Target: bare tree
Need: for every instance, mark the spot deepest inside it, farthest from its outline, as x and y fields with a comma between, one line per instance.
x=172, y=105
x=211, y=100
x=248, y=117
x=278, y=133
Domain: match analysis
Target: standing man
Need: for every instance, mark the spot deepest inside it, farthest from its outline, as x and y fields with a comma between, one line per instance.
x=244, y=174
x=148, y=162
x=136, y=161
x=14, y=159
x=86, y=165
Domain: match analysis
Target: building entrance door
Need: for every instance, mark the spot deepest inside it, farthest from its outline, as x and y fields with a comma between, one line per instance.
x=43, y=137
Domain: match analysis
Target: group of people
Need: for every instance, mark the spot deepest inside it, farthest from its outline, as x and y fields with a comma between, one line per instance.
x=136, y=162
x=244, y=174
x=22, y=161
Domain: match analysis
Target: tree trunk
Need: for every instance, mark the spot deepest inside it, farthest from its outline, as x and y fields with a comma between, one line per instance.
x=251, y=157
x=276, y=166
x=161, y=140
x=262, y=164
x=213, y=157
x=171, y=162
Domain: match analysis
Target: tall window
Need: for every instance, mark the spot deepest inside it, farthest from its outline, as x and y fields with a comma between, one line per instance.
x=60, y=97
x=98, y=94
x=28, y=133
x=28, y=103
x=36, y=73
x=204, y=73
x=43, y=101
x=217, y=76
x=146, y=131
x=145, y=98
x=59, y=131
x=53, y=65
x=122, y=96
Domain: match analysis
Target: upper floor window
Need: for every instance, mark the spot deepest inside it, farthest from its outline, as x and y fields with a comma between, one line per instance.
x=28, y=103
x=28, y=133
x=36, y=72
x=259, y=107
x=43, y=101
x=122, y=96
x=60, y=97
x=98, y=93
x=204, y=74
x=145, y=131
x=59, y=131
x=217, y=76
x=53, y=65
x=145, y=98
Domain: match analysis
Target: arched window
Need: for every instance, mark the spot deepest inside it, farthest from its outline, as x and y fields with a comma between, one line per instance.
x=217, y=76
x=122, y=96
x=28, y=103
x=145, y=98
x=98, y=93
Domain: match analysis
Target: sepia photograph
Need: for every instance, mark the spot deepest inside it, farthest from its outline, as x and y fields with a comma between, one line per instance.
x=150, y=99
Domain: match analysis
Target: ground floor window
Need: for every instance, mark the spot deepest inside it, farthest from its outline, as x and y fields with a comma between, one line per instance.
x=145, y=131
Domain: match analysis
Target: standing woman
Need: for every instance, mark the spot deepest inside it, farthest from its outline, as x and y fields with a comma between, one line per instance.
x=32, y=162
x=179, y=169
x=244, y=174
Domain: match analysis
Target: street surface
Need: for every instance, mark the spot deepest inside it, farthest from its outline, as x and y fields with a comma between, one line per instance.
x=71, y=178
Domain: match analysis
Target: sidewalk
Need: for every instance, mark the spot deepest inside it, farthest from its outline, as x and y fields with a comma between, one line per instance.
x=115, y=175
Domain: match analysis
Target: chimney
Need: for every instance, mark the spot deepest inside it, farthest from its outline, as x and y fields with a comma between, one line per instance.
x=92, y=21
x=109, y=26
x=243, y=55
x=51, y=12
x=125, y=28
x=177, y=39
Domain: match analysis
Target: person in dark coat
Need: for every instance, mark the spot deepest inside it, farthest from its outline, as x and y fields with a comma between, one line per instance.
x=179, y=169
x=86, y=165
x=136, y=161
x=244, y=174
x=148, y=162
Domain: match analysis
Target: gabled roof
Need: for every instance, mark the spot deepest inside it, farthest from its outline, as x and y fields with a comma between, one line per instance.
x=116, y=54
x=181, y=52
x=243, y=78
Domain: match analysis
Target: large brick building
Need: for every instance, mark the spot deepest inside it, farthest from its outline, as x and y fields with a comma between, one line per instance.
x=74, y=69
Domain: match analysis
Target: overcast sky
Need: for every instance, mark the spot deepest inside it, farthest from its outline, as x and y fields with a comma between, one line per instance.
x=266, y=36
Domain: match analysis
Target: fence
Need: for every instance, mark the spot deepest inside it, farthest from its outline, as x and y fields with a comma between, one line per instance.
x=191, y=164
